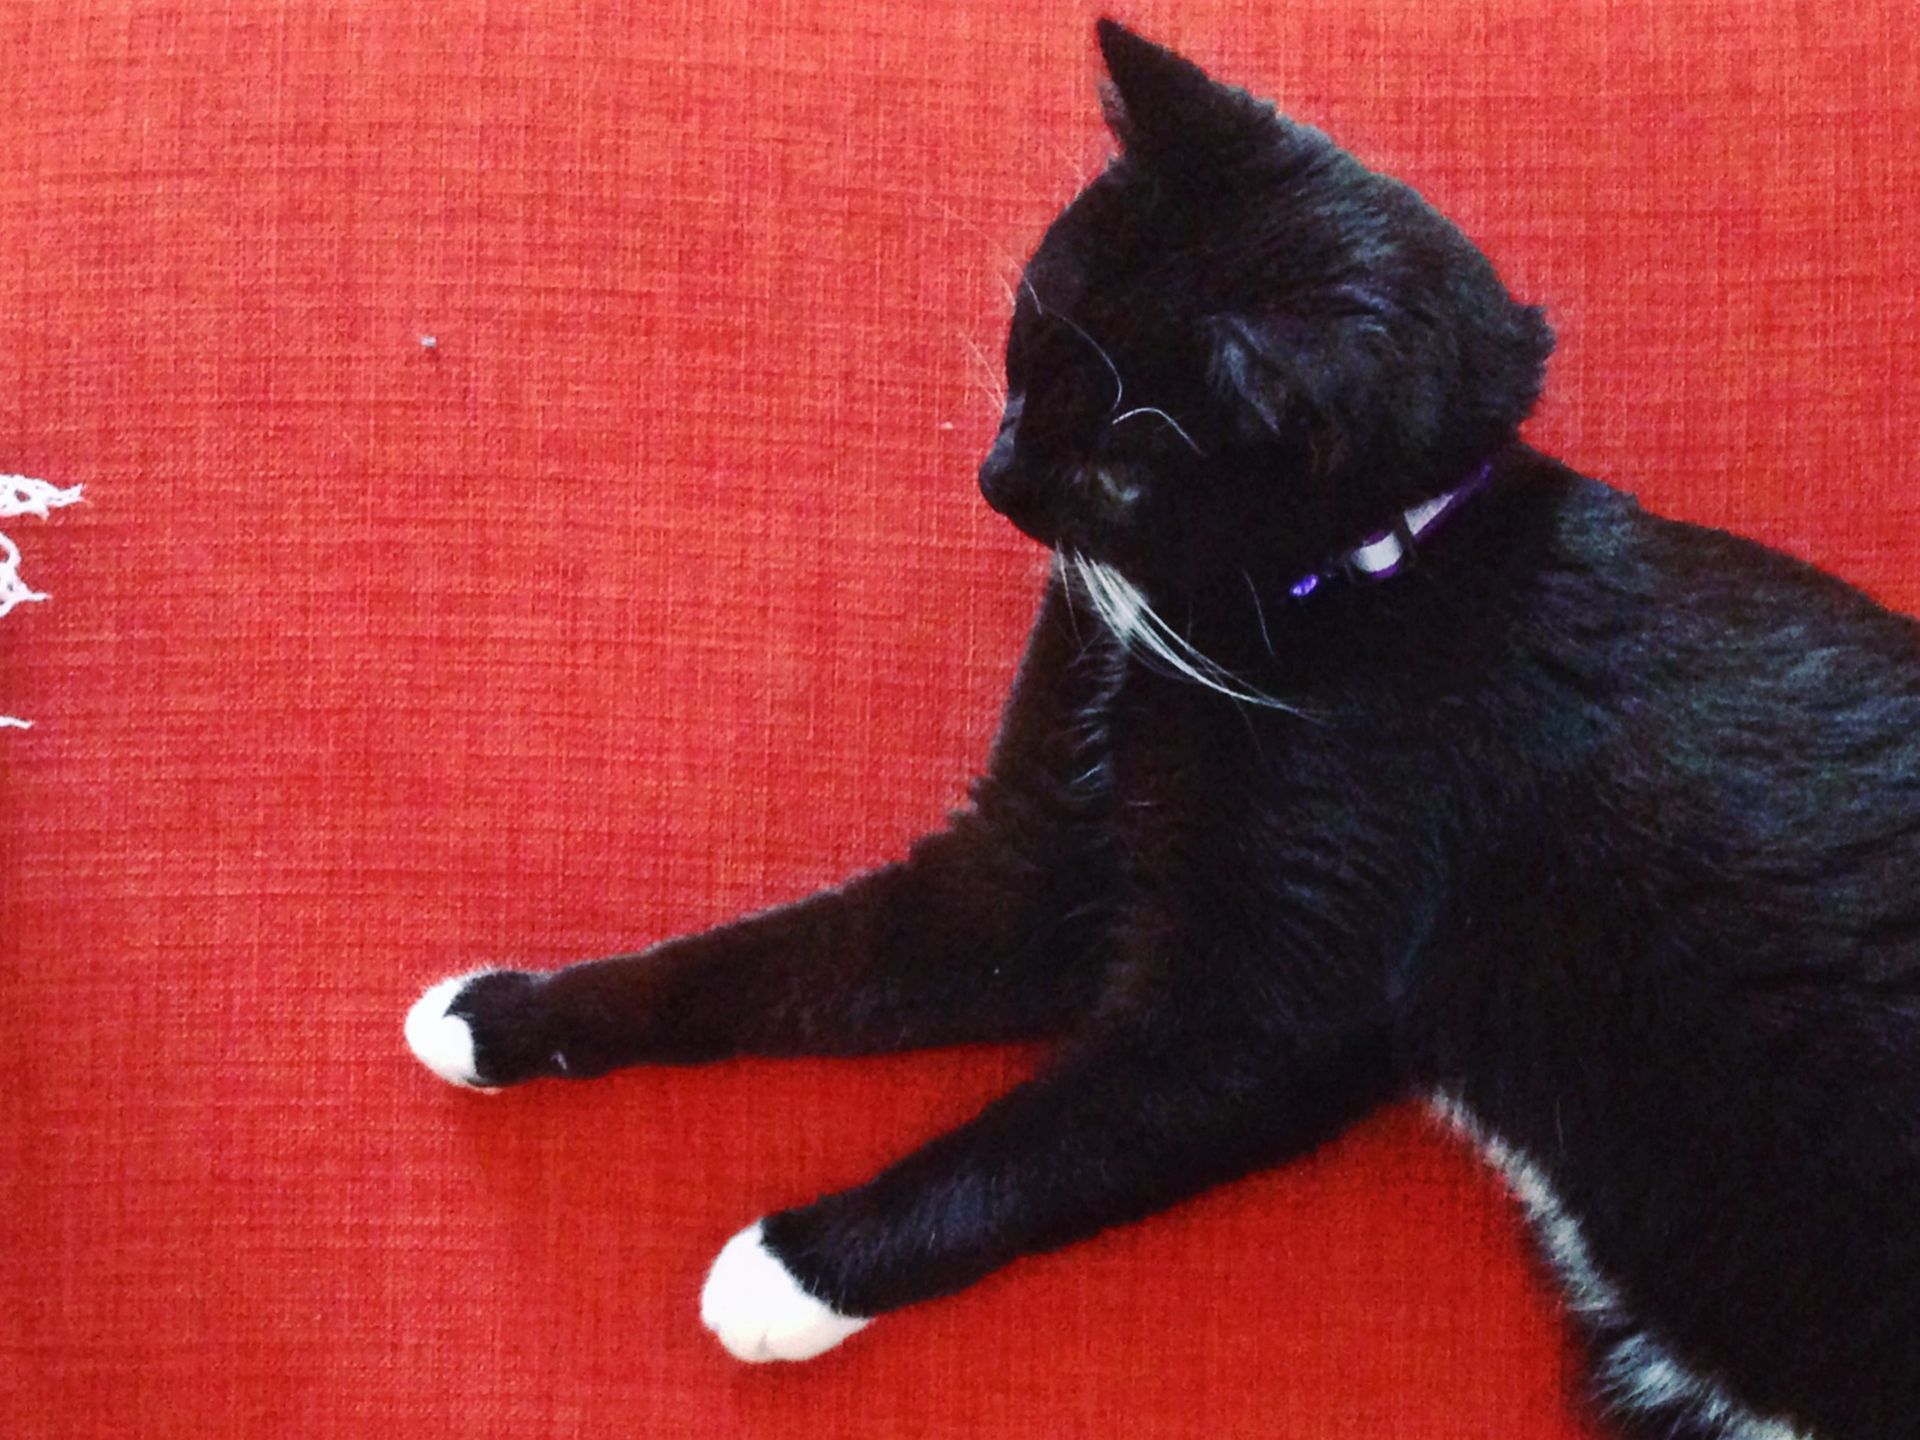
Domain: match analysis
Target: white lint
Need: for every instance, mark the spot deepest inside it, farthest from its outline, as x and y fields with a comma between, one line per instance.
x=20, y=495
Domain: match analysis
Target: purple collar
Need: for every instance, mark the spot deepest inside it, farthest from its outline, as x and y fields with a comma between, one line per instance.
x=1387, y=552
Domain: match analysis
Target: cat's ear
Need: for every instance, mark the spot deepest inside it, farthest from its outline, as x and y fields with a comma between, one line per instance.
x=1283, y=379
x=1245, y=368
x=1161, y=106
x=1413, y=400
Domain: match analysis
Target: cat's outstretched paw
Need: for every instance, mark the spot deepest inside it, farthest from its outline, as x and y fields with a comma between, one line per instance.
x=479, y=1030
x=755, y=1307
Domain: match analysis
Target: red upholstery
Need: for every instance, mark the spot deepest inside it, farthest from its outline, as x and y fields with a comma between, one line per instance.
x=656, y=589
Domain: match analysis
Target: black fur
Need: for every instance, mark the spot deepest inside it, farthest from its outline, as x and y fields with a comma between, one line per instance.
x=1606, y=826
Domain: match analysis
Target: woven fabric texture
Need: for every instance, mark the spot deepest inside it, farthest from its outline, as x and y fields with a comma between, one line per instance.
x=655, y=587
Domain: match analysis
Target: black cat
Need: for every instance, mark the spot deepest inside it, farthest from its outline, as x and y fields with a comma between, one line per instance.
x=1359, y=752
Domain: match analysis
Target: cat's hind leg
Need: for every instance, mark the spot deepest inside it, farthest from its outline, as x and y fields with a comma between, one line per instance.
x=1650, y=1392
x=1638, y=1379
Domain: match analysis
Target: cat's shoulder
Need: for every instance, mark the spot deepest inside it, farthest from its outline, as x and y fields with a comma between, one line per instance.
x=1675, y=566
x=1671, y=603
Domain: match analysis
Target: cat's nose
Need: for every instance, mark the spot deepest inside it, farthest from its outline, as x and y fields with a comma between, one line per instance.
x=998, y=482
x=1010, y=488
x=995, y=473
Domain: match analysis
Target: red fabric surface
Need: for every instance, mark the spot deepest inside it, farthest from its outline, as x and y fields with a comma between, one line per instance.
x=658, y=589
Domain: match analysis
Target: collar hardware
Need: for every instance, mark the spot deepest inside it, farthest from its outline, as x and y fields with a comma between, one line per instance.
x=1387, y=552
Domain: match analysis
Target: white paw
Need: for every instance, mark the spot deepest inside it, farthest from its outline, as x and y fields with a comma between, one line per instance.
x=758, y=1310
x=442, y=1042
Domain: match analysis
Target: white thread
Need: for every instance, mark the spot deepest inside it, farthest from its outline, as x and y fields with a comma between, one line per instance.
x=21, y=495
x=13, y=590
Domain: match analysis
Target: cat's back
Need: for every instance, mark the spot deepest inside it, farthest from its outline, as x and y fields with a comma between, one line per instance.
x=1739, y=685
x=1683, y=973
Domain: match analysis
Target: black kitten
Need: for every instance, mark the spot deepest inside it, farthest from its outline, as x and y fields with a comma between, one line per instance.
x=1360, y=752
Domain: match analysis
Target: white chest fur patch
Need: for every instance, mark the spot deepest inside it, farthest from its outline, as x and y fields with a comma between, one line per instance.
x=755, y=1307
x=1638, y=1373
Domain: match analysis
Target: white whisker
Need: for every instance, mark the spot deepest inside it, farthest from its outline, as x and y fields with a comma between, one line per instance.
x=987, y=379
x=1258, y=610
x=1119, y=385
x=1138, y=626
x=1154, y=410
x=1061, y=563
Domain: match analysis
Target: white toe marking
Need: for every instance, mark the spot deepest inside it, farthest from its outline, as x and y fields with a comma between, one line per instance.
x=442, y=1042
x=758, y=1310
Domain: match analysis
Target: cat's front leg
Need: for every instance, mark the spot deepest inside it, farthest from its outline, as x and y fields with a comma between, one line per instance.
x=981, y=933
x=962, y=942
x=1147, y=1113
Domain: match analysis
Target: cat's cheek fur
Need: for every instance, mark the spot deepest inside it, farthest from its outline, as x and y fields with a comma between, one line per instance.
x=758, y=1310
x=442, y=1041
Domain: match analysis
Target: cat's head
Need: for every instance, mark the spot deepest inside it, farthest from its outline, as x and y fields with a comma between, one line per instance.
x=1239, y=350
